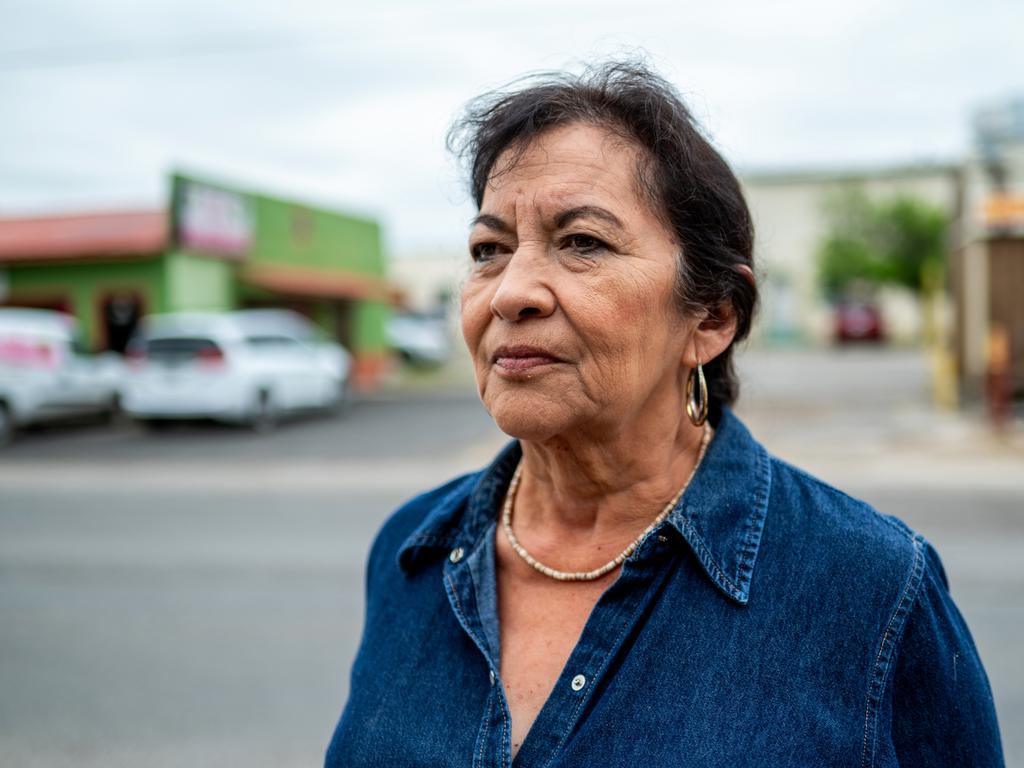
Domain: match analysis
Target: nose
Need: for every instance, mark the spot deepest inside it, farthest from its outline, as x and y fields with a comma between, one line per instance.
x=523, y=289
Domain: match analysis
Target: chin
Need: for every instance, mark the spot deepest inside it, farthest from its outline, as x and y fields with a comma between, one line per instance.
x=531, y=416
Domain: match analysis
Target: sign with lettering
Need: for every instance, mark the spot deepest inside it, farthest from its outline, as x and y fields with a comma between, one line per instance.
x=212, y=220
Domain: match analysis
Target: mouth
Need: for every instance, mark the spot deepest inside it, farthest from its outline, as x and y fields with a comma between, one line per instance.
x=520, y=358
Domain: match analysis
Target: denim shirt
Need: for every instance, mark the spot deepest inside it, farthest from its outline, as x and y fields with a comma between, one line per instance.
x=769, y=621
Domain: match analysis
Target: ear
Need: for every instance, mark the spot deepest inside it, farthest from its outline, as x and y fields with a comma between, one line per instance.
x=715, y=330
x=712, y=335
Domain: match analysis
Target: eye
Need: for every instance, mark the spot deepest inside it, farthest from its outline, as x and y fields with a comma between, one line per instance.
x=484, y=251
x=584, y=244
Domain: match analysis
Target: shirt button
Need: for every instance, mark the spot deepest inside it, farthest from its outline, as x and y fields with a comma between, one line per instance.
x=662, y=538
x=456, y=554
x=492, y=677
x=578, y=682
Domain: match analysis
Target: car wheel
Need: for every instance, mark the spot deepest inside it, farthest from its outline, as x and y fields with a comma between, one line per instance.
x=264, y=416
x=6, y=425
x=342, y=402
x=112, y=414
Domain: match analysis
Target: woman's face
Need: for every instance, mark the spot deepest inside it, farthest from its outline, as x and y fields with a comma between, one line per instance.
x=569, y=311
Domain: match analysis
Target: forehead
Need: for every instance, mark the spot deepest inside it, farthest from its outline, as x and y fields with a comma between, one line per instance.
x=581, y=162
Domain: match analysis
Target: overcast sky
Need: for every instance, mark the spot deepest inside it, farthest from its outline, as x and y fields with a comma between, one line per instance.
x=346, y=104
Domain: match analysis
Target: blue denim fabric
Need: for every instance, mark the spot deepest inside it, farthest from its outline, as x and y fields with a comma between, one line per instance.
x=770, y=621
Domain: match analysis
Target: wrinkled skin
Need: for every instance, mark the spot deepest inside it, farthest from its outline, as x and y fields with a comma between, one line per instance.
x=595, y=293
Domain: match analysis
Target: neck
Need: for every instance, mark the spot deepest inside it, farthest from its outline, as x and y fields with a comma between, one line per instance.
x=603, y=489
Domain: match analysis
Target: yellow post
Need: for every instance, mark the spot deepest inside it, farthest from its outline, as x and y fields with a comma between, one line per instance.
x=943, y=362
x=999, y=395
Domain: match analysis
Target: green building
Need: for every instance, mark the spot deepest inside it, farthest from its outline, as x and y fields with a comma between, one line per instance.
x=214, y=248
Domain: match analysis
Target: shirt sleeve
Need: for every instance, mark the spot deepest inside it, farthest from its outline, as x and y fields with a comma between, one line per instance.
x=943, y=713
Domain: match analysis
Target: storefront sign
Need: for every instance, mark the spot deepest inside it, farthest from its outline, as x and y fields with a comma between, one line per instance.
x=212, y=220
x=1005, y=212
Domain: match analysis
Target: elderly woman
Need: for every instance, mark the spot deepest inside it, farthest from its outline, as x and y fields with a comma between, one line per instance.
x=634, y=580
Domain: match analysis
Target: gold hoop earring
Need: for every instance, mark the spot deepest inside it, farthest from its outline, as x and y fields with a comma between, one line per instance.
x=697, y=409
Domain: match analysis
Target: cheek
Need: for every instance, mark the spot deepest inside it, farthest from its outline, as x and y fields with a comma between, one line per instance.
x=474, y=313
x=633, y=328
x=620, y=312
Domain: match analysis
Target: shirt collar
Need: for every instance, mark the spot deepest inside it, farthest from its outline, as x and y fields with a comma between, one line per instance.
x=720, y=516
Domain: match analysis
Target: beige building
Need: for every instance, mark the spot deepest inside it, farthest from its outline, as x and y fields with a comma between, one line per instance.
x=428, y=280
x=791, y=221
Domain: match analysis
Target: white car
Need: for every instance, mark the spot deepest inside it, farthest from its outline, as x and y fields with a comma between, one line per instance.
x=45, y=375
x=249, y=366
x=419, y=339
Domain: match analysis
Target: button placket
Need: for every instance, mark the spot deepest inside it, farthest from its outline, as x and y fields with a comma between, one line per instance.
x=461, y=577
x=616, y=613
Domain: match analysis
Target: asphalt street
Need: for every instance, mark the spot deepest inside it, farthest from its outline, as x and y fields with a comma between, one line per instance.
x=194, y=597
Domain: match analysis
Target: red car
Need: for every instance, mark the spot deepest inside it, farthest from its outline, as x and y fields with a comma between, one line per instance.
x=858, y=321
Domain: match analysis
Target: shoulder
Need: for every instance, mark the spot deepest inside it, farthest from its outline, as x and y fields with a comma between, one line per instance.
x=927, y=700
x=424, y=518
x=416, y=510
x=836, y=526
x=865, y=569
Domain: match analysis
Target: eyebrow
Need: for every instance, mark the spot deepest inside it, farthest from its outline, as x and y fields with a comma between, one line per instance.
x=587, y=212
x=564, y=219
x=492, y=222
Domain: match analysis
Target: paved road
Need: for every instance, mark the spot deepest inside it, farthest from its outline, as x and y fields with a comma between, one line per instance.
x=194, y=598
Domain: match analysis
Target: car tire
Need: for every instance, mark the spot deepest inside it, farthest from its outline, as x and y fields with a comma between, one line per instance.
x=6, y=425
x=342, y=402
x=264, y=416
x=112, y=415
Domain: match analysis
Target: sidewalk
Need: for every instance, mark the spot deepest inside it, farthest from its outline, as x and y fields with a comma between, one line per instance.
x=864, y=417
x=910, y=449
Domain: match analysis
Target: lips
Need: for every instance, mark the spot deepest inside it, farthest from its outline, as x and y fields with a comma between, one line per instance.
x=522, y=358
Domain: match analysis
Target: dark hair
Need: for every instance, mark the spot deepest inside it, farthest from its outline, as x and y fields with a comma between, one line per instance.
x=686, y=181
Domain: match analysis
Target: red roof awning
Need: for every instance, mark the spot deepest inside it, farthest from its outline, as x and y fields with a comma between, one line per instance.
x=83, y=236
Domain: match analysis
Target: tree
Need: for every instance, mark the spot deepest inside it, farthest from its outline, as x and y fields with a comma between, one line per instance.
x=897, y=241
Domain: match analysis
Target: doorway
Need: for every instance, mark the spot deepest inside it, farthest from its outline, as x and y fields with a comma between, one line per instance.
x=119, y=315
